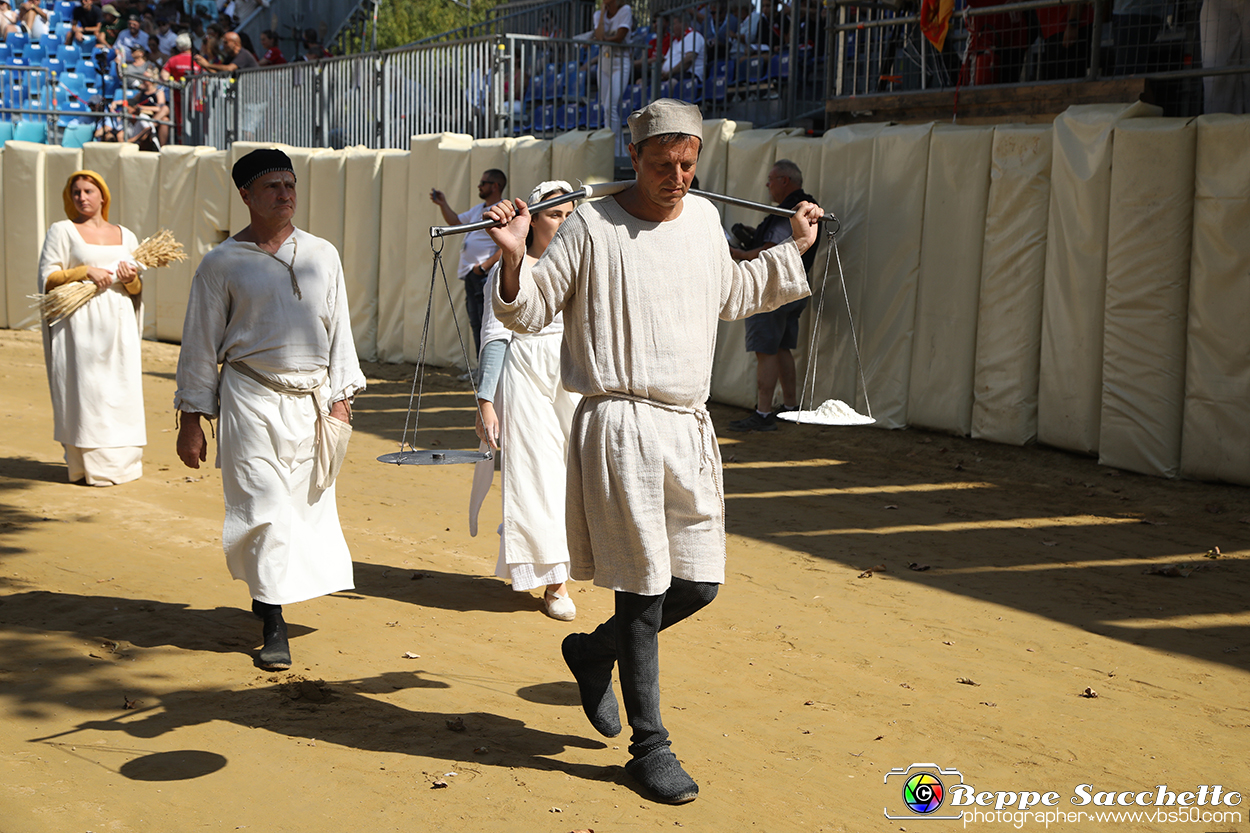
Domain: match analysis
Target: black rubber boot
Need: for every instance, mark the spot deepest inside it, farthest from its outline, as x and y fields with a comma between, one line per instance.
x=276, y=653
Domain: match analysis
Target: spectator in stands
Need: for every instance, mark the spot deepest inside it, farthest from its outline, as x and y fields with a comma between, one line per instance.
x=155, y=53
x=247, y=44
x=235, y=56
x=1065, y=40
x=170, y=10
x=771, y=336
x=107, y=128
x=1225, y=28
x=273, y=53
x=1135, y=24
x=752, y=32
x=8, y=20
x=147, y=107
x=87, y=19
x=686, y=52
x=613, y=23
x=111, y=27
x=181, y=64
x=34, y=17
x=128, y=40
x=165, y=35
x=210, y=46
x=313, y=50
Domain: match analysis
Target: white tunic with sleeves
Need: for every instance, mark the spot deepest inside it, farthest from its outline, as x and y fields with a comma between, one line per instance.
x=95, y=372
x=640, y=302
x=535, y=415
x=285, y=316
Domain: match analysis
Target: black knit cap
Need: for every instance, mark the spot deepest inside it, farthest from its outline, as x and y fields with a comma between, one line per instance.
x=257, y=164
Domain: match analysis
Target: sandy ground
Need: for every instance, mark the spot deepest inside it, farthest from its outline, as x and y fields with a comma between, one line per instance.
x=131, y=703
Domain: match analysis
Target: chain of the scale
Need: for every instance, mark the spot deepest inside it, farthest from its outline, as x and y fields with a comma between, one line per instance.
x=809, y=378
x=418, y=373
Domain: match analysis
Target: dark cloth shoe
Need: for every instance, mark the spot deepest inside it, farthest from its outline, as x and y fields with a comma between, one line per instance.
x=755, y=422
x=661, y=774
x=276, y=653
x=594, y=683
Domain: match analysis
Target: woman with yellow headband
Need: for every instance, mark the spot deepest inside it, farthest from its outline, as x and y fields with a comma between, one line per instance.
x=93, y=356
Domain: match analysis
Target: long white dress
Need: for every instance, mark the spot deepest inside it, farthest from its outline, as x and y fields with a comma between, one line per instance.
x=641, y=302
x=535, y=415
x=281, y=534
x=95, y=374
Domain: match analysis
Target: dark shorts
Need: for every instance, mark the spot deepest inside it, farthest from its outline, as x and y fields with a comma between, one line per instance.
x=769, y=332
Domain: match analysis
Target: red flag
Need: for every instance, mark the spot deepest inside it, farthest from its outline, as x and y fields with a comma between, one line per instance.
x=935, y=17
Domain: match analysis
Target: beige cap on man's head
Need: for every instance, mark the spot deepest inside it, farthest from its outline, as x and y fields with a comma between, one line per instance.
x=665, y=115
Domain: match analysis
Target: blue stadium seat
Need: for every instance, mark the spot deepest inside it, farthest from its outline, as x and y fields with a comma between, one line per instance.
x=633, y=95
x=779, y=66
x=18, y=61
x=87, y=44
x=5, y=53
x=594, y=115
x=77, y=135
x=50, y=43
x=71, y=111
x=31, y=131
x=718, y=90
x=70, y=54
x=690, y=89
x=65, y=8
x=756, y=69
x=18, y=41
x=55, y=65
x=35, y=54
x=6, y=130
x=569, y=117
x=544, y=118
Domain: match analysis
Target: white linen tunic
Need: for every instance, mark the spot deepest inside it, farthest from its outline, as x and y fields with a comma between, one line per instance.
x=95, y=372
x=535, y=416
x=281, y=533
x=641, y=302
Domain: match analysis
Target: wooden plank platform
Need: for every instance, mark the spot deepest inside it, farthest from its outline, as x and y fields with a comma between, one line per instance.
x=992, y=104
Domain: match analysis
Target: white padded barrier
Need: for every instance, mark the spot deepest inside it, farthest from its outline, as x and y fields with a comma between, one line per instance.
x=887, y=315
x=24, y=212
x=1069, y=395
x=443, y=161
x=948, y=292
x=361, y=252
x=1215, y=438
x=845, y=177
x=141, y=214
x=394, y=268
x=179, y=166
x=1149, y=229
x=1013, y=265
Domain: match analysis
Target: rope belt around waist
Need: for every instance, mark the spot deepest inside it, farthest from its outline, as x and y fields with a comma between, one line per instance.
x=278, y=387
x=707, y=436
x=330, y=437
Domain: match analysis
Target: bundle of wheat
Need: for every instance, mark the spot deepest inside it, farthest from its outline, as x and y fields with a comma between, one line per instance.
x=161, y=249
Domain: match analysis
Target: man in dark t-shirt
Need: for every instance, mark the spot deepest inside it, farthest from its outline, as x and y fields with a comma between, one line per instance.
x=237, y=56
x=87, y=19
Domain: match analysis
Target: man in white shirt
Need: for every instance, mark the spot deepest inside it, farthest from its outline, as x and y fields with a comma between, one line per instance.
x=685, y=55
x=479, y=252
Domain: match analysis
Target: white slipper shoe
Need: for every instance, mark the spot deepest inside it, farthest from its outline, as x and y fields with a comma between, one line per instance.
x=559, y=607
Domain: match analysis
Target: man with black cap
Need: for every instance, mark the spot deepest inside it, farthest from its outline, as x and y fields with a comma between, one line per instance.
x=269, y=306
x=642, y=278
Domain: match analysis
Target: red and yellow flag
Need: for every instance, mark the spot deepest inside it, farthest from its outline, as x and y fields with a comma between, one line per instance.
x=935, y=18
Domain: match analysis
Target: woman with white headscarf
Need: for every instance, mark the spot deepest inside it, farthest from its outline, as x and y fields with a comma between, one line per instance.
x=93, y=356
x=526, y=413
